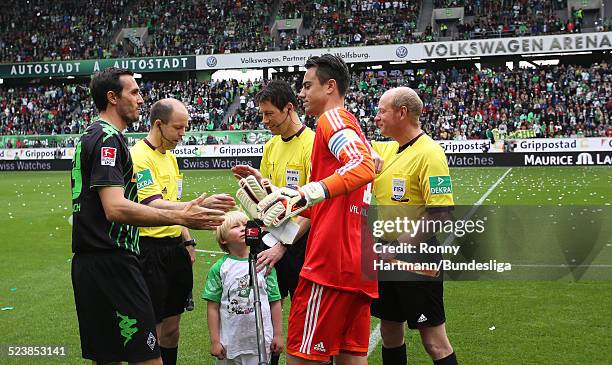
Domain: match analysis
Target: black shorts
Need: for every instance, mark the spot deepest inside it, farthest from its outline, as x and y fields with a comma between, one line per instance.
x=116, y=320
x=288, y=268
x=420, y=303
x=167, y=269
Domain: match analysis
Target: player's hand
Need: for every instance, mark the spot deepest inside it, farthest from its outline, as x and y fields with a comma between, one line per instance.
x=197, y=217
x=222, y=202
x=285, y=203
x=192, y=254
x=217, y=350
x=242, y=171
x=251, y=192
x=268, y=258
x=277, y=344
x=378, y=162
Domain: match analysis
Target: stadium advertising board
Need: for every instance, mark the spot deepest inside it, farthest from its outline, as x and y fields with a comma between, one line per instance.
x=411, y=52
x=206, y=163
x=530, y=159
x=454, y=160
x=197, y=137
x=35, y=165
x=531, y=152
x=529, y=145
x=230, y=150
x=88, y=67
x=181, y=151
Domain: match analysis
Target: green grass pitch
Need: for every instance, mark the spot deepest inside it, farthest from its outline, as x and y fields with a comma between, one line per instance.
x=488, y=322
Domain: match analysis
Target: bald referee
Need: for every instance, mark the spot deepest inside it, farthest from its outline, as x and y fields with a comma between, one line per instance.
x=167, y=252
x=413, y=164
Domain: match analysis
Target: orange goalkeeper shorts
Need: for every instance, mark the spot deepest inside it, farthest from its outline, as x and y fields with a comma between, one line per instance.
x=324, y=322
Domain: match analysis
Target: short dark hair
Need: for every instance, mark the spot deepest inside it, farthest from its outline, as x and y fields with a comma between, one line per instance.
x=105, y=81
x=162, y=110
x=279, y=93
x=331, y=67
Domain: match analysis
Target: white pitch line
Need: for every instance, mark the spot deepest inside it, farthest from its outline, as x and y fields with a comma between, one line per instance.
x=482, y=198
x=477, y=205
x=208, y=251
x=374, y=338
x=375, y=335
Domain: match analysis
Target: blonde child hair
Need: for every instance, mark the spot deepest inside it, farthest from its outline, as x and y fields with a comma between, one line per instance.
x=230, y=219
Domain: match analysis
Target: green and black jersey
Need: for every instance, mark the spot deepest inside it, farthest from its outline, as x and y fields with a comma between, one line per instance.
x=102, y=158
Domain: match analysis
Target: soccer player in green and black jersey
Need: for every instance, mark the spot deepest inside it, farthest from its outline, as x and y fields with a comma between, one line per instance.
x=116, y=320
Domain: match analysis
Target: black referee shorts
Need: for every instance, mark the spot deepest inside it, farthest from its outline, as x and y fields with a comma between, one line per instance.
x=116, y=320
x=420, y=303
x=289, y=266
x=167, y=269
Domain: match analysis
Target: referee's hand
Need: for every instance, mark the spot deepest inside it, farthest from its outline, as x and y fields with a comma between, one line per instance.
x=268, y=258
x=378, y=162
x=223, y=202
x=195, y=216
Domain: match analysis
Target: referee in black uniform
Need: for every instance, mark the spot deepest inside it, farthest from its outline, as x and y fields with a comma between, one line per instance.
x=116, y=319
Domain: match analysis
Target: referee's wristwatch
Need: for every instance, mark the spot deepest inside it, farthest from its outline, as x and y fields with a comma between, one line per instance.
x=190, y=242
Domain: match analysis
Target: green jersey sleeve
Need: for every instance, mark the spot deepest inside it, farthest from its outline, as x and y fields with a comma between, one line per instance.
x=214, y=286
x=272, y=287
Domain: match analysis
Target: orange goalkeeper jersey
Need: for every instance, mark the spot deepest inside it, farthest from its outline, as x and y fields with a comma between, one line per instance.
x=342, y=160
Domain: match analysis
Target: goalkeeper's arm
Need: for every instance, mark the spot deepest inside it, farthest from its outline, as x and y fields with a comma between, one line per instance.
x=357, y=164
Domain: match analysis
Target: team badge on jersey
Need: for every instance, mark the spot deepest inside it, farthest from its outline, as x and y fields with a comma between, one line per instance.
x=109, y=155
x=399, y=188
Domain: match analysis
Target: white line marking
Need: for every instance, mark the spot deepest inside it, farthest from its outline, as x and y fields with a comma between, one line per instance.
x=482, y=198
x=208, y=251
x=374, y=338
x=477, y=205
x=375, y=335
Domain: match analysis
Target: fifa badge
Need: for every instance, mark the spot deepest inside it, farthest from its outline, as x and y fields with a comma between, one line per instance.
x=398, y=188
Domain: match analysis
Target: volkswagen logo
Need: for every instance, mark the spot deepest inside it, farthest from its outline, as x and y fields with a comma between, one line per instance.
x=401, y=52
x=211, y=61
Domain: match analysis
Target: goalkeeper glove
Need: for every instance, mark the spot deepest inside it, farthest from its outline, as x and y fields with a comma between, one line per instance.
x=285, y=203
x=251, y=192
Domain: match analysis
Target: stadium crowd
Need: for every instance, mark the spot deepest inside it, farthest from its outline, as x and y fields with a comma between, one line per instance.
x=355, y=23
x=83, y=30
x=517, y=18
x=44, y=30
x=68, y=109
x=460, y=104
x=201, y=27
x=553, y=101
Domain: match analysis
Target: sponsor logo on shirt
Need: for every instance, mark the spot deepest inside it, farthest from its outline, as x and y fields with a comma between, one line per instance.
x=109, y=155
x=143, y=179
x=440, y=185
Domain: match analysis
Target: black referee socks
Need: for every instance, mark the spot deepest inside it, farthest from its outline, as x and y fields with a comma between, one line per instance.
x=449, y=360
x=394, y=355
x=168, y=355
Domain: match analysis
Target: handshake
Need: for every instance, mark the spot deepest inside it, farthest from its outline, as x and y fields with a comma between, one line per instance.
x=275, y=206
